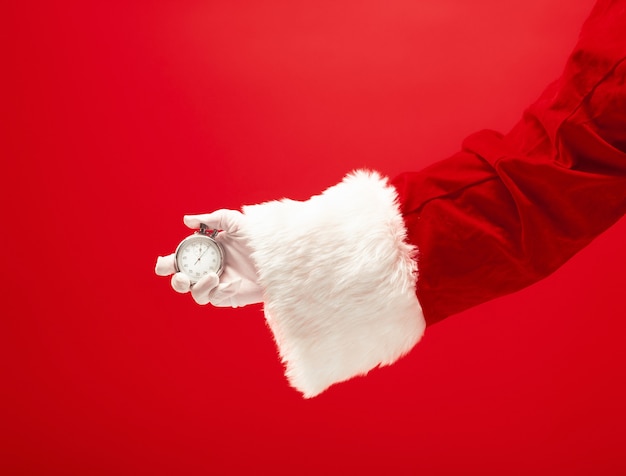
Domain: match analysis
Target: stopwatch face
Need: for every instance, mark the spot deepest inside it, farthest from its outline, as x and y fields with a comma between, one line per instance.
x=198, y=255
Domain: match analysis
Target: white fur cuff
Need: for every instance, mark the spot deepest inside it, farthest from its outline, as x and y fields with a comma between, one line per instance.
x=339, y=280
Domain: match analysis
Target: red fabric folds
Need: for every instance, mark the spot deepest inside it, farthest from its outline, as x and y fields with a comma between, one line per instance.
x=510, y=209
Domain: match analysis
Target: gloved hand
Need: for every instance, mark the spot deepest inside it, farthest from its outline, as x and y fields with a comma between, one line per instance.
x=237, y=286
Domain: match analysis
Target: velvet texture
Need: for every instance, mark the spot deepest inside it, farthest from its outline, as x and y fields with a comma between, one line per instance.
x=508, y=210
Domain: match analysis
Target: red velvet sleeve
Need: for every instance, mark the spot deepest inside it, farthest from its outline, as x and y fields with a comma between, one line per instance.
x=510, y=209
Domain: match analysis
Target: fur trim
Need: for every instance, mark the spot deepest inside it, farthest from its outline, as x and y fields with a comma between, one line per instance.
x=339, y=280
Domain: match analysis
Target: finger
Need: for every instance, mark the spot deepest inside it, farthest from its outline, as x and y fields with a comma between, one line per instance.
x=227, y=220
x=181, y=283
x=223, y=295
x=202, y=289
x=165, y=265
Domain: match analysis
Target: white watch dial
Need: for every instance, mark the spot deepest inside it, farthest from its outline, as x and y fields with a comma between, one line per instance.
x=199, y=255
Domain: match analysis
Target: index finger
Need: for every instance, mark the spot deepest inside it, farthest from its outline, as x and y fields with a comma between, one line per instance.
x=165, y=265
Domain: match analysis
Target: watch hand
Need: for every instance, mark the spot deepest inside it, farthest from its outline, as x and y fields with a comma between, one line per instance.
x=200, y=257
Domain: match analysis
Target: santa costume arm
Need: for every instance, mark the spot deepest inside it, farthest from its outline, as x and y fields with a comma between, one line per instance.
x=339, y=273
x=508, y=210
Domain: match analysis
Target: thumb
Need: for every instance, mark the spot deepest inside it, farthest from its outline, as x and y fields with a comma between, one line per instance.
x=224, y=219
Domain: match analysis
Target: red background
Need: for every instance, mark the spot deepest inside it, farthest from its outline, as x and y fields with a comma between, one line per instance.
x=120, y=117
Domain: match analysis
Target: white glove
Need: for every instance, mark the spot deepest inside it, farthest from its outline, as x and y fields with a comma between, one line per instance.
x=237, y=286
